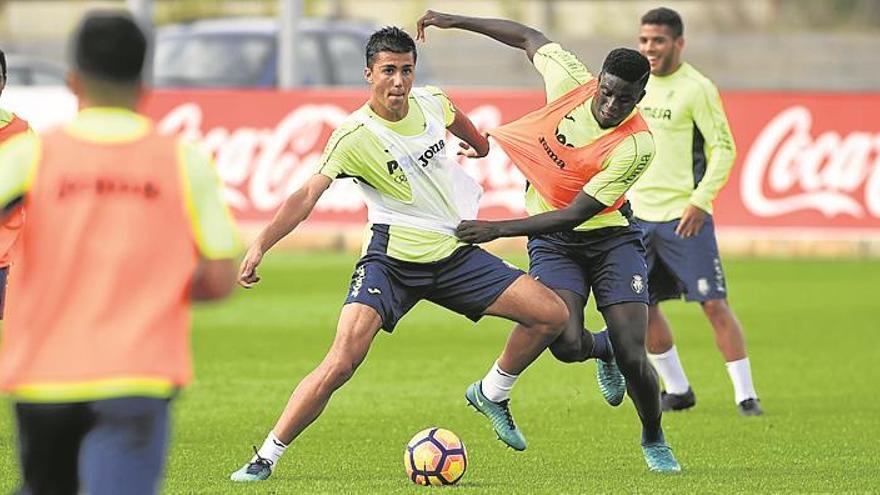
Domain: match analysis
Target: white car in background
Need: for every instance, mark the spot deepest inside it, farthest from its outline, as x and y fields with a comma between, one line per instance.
x=242, y=52
x=36, y=91
x=28, y=70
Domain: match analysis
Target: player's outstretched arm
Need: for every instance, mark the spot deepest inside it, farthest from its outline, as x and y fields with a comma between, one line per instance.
x=474, y=144
x=295, y=209
x=508, y=32
x=579, y=211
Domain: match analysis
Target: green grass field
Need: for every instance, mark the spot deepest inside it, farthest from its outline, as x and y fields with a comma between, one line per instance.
x=812, y=331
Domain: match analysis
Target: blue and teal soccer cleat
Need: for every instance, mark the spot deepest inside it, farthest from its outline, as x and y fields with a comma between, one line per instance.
x=257, y=470
x=498, y=414
x=612, y=384
x=660, y=459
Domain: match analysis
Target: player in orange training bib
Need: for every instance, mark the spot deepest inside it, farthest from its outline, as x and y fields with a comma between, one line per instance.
x=124, y=227
x=580, y=153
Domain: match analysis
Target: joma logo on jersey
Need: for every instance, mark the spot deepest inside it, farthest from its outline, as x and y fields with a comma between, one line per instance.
x=552, y=154
x=430, y=152
x=643, y=162
x=657, y=113
x=106, y=186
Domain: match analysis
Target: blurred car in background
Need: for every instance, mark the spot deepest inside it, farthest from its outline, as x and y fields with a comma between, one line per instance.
x=28, y=70
x=243, y=53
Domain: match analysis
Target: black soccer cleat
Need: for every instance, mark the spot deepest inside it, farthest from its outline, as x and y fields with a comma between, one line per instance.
x=677, y=402
x=750, y=407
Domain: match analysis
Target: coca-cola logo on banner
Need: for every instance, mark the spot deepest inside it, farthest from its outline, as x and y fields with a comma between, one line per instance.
x=261, y=165
x=789, y=168
x=805, y=161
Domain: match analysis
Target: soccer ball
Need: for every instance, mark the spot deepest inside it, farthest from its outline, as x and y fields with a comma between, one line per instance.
x=435, y=457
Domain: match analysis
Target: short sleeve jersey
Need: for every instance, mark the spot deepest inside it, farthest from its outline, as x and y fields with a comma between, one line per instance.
x=562, y=71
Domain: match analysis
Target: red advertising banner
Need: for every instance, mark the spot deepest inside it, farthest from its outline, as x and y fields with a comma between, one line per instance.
x=806, y=161
x=267, y=144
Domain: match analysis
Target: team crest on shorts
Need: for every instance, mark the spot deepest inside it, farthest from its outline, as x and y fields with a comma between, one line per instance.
x=358, y=281
x=638, y=284
x=703, y=286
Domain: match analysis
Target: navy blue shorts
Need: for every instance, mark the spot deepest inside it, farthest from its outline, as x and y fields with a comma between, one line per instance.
x=4, y=270
x=467, y=282
x=608, y=262
x=102, y=447
x=689, y=267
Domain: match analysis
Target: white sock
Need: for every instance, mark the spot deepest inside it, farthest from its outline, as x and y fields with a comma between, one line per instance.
x=669, y=367
x=498, y=383
x=741, y=375
x=271, y=449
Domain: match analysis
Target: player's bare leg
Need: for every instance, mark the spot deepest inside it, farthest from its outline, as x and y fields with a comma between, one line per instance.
x=627, y=324
x=728, y=332
x=731, y=342
x=659, y=338
x=576, y=344
x=678, y=394
x=357, y=327
x=540, y=317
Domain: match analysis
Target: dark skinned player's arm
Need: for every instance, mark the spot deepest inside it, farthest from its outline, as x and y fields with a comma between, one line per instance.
x=579, y=211
x=510, y=33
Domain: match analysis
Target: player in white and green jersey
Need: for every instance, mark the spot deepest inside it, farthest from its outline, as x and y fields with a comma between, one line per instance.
x=395, y=148
x=673, y=204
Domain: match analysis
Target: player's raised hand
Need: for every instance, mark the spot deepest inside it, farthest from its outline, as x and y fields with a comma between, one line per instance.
x=477, y=231
x=247, y=274
x=432, y=18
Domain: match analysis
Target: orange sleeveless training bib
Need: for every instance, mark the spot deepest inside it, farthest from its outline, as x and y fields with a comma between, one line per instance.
x=100, y=297
x=556, y=171
x=9, y=229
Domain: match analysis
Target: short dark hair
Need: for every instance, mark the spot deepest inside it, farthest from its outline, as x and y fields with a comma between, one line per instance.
x=109, y=45
x=389, y=39
x=664, y=16
x=3, y=64
x=627, y=64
